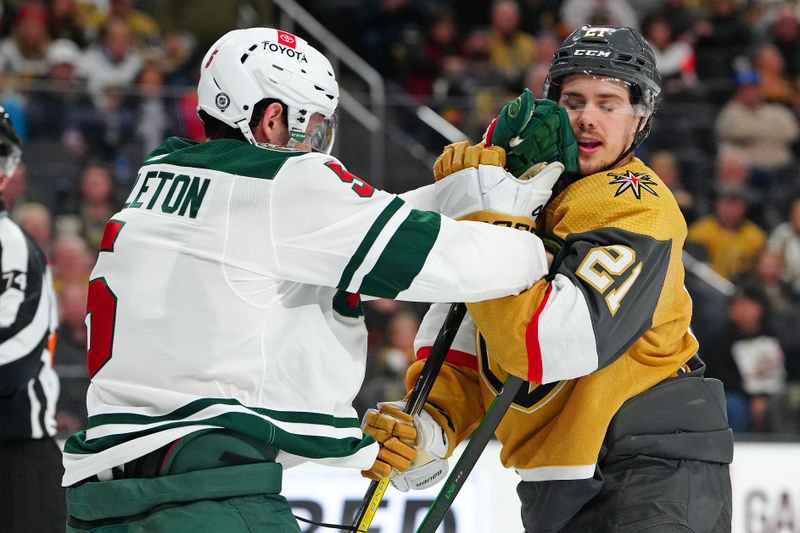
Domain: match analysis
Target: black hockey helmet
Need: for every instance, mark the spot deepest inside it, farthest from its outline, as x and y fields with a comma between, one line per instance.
x=10, y=145
x=620, y=53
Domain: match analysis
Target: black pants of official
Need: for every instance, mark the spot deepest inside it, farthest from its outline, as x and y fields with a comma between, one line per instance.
x=31, y=496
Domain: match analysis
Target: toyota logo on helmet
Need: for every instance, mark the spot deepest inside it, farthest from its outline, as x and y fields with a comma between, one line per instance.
x=287, y=39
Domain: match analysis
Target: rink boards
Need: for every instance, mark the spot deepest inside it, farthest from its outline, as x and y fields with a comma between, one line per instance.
x=765, y=477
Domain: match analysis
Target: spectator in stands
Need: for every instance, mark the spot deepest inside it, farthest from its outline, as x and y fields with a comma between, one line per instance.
x=24, y=53
x=143, y=28
x=720, y=38
x=70, y=260
x=205, y=20
x=511, y=49
x=732, y=167
x=547, y=43
x=540, y=16
x=749, y=360
x=388, y=361
x=71, y=358
x=95, y=204
x=666, y=167
x=535, y=78
x=575, y=13
x=674, y=58
x=427, y=60
x=680, y=17
x=109, y=126
x=391, y=360
x=785, y=241
x=113, y=62
x=35, y=218
x=784, y=305
x=176, y=59
x=761, y=131
x=54, y=111
x=157, y=117
x=64, y=23
x=786, y=37
x=733, y=242
x=771, y=68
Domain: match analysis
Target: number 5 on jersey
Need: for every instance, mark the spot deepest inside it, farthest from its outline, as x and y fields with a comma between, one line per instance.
x=101, y=309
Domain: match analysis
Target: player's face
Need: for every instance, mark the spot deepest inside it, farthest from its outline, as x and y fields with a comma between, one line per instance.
x=603, y=118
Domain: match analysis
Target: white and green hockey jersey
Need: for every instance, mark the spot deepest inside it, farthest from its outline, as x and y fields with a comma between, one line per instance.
x=226, y=295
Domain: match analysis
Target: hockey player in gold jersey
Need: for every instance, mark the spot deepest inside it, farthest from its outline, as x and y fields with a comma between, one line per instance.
x=618, y=431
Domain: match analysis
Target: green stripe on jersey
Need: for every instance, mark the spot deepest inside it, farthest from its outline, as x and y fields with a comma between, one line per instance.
x=250, y=424
x=404, y=255
x=224, y=155
x=310, y=446
x=297, y=417
x=367, y=242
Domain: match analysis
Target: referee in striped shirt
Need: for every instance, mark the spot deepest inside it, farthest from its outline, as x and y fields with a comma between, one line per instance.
x=31, y=496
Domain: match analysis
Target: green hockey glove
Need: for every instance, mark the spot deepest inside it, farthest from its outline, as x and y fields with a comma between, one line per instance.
x=534, y=131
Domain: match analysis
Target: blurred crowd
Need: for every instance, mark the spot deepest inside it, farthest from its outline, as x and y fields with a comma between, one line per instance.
x=94, y=85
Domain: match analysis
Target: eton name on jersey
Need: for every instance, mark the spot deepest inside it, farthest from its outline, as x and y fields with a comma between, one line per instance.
x=170, y=193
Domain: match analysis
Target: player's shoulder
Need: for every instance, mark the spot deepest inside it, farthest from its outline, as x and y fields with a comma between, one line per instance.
x=230, y=156
x=631, y=184
x=630, y=195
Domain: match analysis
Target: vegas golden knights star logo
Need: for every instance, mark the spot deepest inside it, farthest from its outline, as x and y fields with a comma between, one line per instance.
x=635, y=181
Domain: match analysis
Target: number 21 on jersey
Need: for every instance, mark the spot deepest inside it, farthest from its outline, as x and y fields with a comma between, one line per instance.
x=605, y=264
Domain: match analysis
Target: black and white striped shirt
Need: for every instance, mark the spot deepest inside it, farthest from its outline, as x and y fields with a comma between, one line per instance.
x=28, y=319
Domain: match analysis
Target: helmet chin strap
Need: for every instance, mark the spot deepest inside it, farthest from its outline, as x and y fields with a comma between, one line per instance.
x=636, y=142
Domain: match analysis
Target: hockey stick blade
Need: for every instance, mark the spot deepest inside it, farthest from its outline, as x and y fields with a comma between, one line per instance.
x=477, y=442
x=416, y=400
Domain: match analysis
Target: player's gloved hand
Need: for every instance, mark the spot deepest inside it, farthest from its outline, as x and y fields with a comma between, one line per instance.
x=460, y=155
x=533, y=131
x=427, y=474
x=491, y=194
x=414, y=445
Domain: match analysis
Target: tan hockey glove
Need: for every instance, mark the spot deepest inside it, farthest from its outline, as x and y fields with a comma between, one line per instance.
x=394, y=430
x=461, y=155
x=412, y=448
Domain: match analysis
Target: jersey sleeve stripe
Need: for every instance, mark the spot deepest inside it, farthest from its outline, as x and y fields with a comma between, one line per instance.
x=532, y=342
x=404, y=256
x=456, y=357
x=366, y=243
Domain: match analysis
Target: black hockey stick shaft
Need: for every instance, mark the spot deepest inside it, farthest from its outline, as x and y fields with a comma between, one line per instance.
x=477, y=442
x=416, y=400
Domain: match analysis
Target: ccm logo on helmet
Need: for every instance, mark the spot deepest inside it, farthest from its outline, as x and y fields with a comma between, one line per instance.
x=599, y=53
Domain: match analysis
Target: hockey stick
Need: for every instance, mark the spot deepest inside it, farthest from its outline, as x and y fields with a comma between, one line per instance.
x=477, y=442
x=416, y=400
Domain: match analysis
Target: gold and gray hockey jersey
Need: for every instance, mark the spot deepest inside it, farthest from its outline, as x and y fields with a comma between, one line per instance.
x=611, y=321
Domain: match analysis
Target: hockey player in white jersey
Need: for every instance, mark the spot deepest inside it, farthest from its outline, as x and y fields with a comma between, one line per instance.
x=226, y=336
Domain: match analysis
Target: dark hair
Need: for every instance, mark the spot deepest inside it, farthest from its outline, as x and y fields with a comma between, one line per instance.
x=216, y=129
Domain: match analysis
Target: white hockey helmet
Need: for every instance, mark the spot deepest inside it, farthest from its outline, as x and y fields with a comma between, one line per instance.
x=245, y=66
